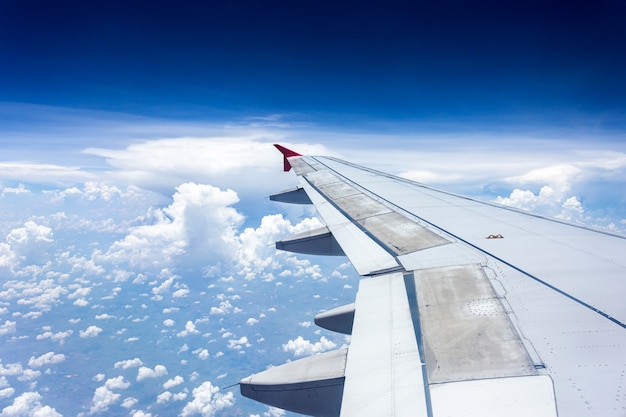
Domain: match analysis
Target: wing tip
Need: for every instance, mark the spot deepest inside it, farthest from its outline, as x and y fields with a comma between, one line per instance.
x=287, y=153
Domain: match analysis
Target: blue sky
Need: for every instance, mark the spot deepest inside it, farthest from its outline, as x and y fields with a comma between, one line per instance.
x=136, y=262
x=553, y=61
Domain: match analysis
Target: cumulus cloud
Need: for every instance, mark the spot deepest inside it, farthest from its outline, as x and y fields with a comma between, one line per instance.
x=91, y=331
x=200, y=227
x=43, y=294
x=80, y=292
x=572, y=210
x=145, y=372
x=129, y=402
x=171, y=383
x=182, y=292
x=224, y=307
x=7, y=328
x=190, y=328
x=256, y=254
x=11, y=369
x=117, y=383
x=527, y=200
x=198, y=223
x=7, y=392
x=58, y=336
x=164, y=397
x=49, y=358
x=203, y=354
x=31, y=242
x=105, y=395
x=302, y=347
x=238, y=344
x=207, y=401
x=95, y=190
x=129, y=363
x=561, y=185
x=29, y=404
x=29, y=375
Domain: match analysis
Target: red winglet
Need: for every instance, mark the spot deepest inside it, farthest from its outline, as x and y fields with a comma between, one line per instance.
x=287, y=153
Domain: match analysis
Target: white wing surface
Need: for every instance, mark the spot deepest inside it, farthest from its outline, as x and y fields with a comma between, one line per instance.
x=466, y=308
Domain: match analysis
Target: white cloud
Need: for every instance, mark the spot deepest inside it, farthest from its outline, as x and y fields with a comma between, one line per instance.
x=256, y=254
x=80, y=292
x=190, y=328
x=170, y=383
x=224, y=307
x=6, y=392
x=207, y=401
x=8, y=259
x=31, y=242
x=129, y=402
x=182, y=292
x=91, y=331
x=117, y=383
x=560, y=177
x=29, y=375
x=251, y=321
x=103, y=398
x=21, y=189
x=203, y=354
x=7, y=328
x=43, y=294
x=274, y=412
x=198, y=223
x=145, y=372
x=129, y=363
x=49, y=358
x=42, y=173
x=572, y=210
x=237, y=344
x=95, y=190
x=58, y=336
x=11, y=369
x=302, y=347
x=140, y=413
x=29, y=404
x=81, y=302
x=164, y=287
x=164, y=397
x=215, y=160
x=527, y=200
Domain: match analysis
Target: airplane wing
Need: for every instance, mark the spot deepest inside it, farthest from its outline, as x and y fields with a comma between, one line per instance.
x=465, y=308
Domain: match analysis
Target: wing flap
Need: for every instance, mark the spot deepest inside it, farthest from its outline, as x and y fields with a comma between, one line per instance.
x=384, y=374
x=511, y=397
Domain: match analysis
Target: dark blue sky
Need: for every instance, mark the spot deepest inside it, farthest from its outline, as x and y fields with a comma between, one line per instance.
x=546, y=61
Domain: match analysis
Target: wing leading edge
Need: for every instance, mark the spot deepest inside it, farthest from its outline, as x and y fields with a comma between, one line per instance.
x=465, y=307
